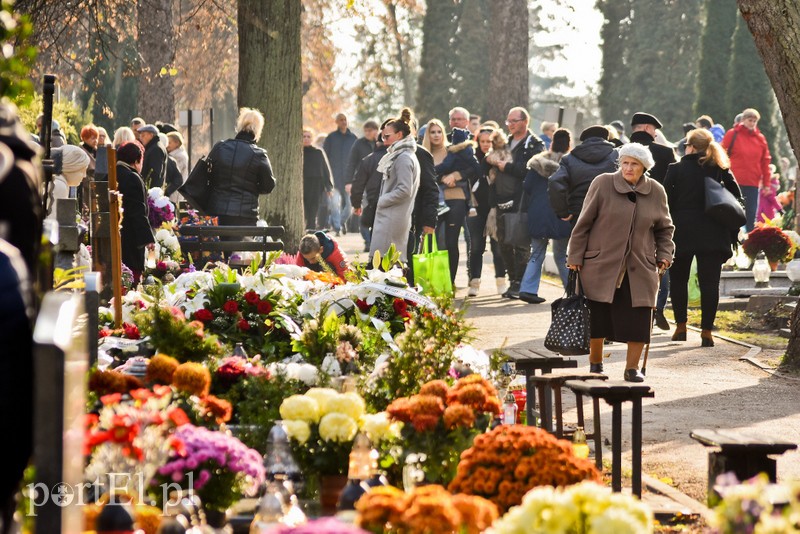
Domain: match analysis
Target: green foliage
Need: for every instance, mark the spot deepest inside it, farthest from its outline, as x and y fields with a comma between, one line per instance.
x=17, y=57
x=175, y=336
x=70, y=117
x=69, y=278
x=436, y=93
x=715, y=48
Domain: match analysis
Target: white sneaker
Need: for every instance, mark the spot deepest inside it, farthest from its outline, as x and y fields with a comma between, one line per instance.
x=502, y=285
x=474, y=287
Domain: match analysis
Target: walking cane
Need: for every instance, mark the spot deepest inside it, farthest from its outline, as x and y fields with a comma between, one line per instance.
x=647, y=347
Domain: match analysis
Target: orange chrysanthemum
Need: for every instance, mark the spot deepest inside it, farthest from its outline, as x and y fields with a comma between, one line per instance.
x=477, y=513
x=219, y=409
x=458, y=415
x=160, y=369
x=400, y=409
x=426, y=405
x=107, y=382
x=439, y=388
x=193, y=378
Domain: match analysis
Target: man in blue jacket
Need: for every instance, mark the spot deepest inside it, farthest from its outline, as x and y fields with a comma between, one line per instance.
x=337, y=147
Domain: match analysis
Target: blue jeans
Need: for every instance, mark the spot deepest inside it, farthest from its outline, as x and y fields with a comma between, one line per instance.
x=663, y=292
x=533, y=271
x=340, y=207
x=750, y=194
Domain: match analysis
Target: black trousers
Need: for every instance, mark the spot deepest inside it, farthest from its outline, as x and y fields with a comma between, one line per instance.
x=709, y=267
x=450, y=229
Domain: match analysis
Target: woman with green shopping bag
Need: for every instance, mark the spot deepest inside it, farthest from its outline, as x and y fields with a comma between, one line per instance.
x=432, y=268
x=401, y=171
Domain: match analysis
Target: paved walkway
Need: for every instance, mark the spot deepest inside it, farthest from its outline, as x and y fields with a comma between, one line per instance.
x=695, y=387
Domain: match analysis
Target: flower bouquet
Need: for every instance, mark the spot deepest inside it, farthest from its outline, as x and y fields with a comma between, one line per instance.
x=386, y=509
x=441, y=422
x=585, y=507
x=504, y=464
x=756, y=505
x=217, y=466
x=771, y=240
x=161, y=210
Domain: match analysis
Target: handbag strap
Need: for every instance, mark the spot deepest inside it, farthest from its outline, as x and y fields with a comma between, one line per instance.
x=522, y=201
x=730, y=147
x=429, y=242
x=574, y=286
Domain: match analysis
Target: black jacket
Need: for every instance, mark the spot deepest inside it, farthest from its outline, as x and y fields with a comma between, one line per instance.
x=174, y=178
x=337, y=147
x=367, y=185
x=664, y=156
x=426, y=202
x=517, y=169
x=362, y=148
x=568, y=186
x=240, y=171
x=696, y=232
x=135, y=232
x=316, y=173
x=154, y=166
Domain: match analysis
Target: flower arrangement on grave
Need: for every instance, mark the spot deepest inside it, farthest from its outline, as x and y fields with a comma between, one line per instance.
x=756, y=505
x=217, y=466
x=193, y=218
x=161, y=209
x=146, y=517
x=386, y=509
x=109, y=382
x=768, y=238
x=330, y=342
x=586, y=507
x=507, y=462
x=170, y=333
x=128, y=331
x=442, y=421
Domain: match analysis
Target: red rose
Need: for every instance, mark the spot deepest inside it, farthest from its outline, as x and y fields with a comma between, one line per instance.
x=264, y=307
x=363, y=306
x=104, y=332
x=203, y=315
x=131, y=332
x=252, y=298
x=161, y=266
x=230, y=307
x=243, y=325
x=401, y=308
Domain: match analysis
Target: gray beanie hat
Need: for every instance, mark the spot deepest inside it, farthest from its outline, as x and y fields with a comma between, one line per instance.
x=637, y=151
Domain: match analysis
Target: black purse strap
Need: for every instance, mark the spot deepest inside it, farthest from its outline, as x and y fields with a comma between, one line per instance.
x=574, y=286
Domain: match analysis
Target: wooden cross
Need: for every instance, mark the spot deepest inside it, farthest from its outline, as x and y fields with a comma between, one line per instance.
x=115, y=218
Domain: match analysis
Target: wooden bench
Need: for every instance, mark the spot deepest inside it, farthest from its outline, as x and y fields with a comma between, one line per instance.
x=555, y=382
x=616, y=393
x=744, y=453
x=529, y=361
x=237, y=239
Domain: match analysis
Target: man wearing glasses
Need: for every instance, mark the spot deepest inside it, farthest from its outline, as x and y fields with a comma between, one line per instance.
x=523, y=145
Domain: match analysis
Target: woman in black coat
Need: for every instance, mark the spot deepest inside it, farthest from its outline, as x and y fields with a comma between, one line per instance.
x=697, y=234
x=317, y=178
x=240, y=172
x=135, y=233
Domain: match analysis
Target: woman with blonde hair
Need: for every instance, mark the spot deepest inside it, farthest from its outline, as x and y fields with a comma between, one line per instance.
x=697, y=234
x=240, y=172
x=123, y=135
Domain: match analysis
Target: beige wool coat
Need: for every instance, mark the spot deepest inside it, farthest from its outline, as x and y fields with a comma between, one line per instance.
x=614, y=235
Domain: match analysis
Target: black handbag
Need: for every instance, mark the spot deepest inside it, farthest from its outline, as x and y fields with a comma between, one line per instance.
x=722, y=206
x=197, y=187
x=515, y=227
x=569, y=331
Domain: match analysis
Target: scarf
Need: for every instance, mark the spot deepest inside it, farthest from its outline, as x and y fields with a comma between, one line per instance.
x=407, y=144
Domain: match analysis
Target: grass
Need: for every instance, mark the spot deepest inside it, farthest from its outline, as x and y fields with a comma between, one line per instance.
x=755, y=329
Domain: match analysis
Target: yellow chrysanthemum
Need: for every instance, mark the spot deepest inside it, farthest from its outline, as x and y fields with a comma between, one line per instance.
x=379, y=427
x=350, y=404
x=322, y=396
x=297, y=430
x=300, y=408
x=337, y=427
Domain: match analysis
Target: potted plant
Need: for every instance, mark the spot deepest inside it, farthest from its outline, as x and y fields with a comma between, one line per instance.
x=768, y=238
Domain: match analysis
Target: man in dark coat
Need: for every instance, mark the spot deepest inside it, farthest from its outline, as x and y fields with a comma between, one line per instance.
x=362, y=148
x=337, y=147
x=154, y=166
x=317, y=179
x=568, y=186
x=644, y=132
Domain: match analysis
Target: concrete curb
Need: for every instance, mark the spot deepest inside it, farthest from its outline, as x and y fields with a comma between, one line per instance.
x=656, y=486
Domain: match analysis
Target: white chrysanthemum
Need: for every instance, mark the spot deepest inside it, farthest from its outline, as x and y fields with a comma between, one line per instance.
x=155, y=192
x=379, y=427
x=337, y=427
x=305, y=372
x=300, y=408
x=322, y=396
x=617, y=521
x=161, y=202
x=350, y=404
x=292, y=271
x=297, y=430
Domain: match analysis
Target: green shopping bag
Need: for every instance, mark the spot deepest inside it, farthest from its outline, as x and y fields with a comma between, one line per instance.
x=694, y=286
x=432, y=268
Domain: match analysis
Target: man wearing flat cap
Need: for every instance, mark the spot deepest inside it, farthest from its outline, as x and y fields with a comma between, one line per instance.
x=644, y=128
x=154, y=166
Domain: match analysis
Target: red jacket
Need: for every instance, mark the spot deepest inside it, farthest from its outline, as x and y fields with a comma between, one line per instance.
x=331, y=255
x=750, y=157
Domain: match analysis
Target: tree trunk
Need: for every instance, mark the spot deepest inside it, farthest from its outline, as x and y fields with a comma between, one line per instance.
x=775, y=26
x=270, y=80
x=508, y=57
x=401, y=55
x=156, y=43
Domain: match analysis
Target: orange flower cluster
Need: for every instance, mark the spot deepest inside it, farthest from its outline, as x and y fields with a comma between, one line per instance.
x=504, y=464
x=220, y=409
x=324, y=277
x=426, y=510
x=193, y=378
x=160, y=369
x=110, y=382
x=455, y=407
x=148, y=518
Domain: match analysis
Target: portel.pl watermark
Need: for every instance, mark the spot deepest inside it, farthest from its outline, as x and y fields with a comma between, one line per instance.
x=116, y=485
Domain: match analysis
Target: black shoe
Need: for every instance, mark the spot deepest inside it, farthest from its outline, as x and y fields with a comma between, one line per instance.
x=530, y=298
x=596, y=368
x=633, y=375
x=513, y=291
x=660, y=320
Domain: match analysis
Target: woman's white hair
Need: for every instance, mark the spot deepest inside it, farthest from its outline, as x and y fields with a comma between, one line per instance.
x=639, y=152
x=123, y=135
x=250, y=120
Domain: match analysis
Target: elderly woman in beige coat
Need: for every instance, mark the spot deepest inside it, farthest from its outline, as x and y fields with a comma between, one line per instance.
x=622, y=240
